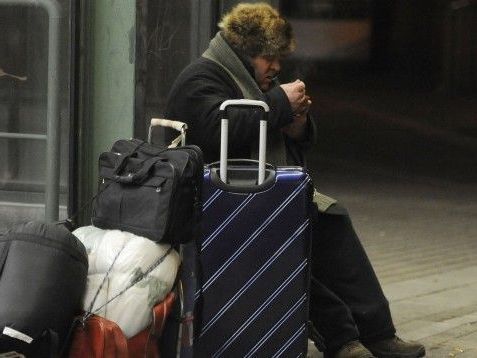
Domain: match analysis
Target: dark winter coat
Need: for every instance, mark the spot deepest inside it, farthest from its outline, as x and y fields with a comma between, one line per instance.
x=195, y=98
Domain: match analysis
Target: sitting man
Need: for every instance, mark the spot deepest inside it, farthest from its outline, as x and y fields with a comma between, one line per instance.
x=347, y=307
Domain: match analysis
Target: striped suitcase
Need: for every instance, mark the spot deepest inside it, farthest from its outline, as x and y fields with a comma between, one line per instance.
x=254, y=257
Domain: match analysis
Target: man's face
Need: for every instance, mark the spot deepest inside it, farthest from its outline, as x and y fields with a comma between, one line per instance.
x=266, y=68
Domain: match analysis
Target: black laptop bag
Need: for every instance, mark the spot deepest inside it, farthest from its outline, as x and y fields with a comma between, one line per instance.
x=149, y=191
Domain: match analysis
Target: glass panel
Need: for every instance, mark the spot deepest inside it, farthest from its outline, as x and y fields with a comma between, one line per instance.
x=168, y=49
x=23, y=109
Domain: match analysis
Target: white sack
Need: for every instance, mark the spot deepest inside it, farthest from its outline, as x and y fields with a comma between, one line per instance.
x=131, y=310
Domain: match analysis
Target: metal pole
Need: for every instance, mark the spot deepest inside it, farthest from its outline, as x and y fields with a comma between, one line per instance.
x=262, y=151
x=53, y=121
x=22, y=136
x=224, y=145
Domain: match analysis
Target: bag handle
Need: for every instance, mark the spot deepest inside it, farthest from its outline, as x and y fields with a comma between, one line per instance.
x=167, y=123
x=141, y=174
x=122, y=162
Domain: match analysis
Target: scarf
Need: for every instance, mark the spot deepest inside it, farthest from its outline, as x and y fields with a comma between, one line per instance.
x=220, y=52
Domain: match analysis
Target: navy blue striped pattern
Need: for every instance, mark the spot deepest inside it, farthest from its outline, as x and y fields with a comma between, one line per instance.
x=254, y=257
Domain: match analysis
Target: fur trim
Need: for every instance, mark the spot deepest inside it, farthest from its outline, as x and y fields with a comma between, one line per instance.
x=257, y=30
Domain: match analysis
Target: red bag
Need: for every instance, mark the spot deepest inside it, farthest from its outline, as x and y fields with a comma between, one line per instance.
x=98, y=338
x=101, y=338
x=144, y=344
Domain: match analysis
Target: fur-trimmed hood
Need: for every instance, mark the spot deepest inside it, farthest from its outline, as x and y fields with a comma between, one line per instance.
x=257, y=30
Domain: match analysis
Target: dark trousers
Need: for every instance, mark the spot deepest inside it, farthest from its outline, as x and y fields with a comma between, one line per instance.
x=347, y=301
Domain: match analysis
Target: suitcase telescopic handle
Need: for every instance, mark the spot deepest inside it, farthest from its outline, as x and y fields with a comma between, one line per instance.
x=224, y=135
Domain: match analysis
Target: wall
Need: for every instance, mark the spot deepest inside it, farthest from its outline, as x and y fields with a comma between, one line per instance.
x=106, y=87
x=113, y=72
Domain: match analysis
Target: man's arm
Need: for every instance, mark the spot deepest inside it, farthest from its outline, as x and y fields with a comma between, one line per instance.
x=197, y=99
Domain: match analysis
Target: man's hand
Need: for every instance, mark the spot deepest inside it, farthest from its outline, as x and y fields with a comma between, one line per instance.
x=300, y=103
x=304, y=106
x=295, y=92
